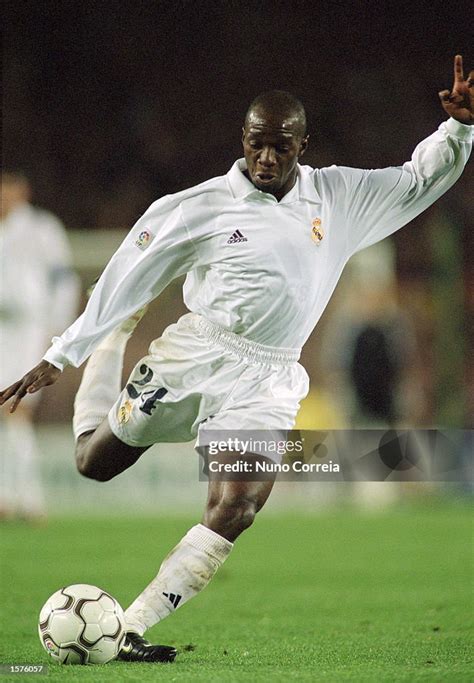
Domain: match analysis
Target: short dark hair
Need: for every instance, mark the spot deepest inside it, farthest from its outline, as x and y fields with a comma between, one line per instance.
x=282, y=102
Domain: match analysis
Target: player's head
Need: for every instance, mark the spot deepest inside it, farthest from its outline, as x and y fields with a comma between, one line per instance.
x=274, y=137
x=15, y=191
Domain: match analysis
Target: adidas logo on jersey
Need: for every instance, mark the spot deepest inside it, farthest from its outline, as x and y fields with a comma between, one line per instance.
x=236, y=237
x=174, y=599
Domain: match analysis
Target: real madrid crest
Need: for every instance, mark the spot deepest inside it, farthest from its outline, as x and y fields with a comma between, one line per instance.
x=316, y=232
x=124, y=412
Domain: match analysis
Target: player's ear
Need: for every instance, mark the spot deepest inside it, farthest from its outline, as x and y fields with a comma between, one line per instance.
x=243, y=133
x=303, y=146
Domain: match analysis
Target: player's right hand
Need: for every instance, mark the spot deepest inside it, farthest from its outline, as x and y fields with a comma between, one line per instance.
x=40, y=376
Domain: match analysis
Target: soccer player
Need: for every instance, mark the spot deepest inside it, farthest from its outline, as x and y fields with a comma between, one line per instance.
x=263, y=248
x=39, y=294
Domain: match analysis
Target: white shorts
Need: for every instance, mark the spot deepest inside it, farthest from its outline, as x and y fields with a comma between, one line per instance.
x=199, y=375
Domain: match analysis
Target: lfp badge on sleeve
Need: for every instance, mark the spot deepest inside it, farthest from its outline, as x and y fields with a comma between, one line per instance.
x=143, y=239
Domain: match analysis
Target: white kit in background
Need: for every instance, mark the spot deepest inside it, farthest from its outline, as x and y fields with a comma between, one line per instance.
x=38, y=297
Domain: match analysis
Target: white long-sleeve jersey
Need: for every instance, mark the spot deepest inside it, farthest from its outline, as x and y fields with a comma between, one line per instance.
x=259, y=267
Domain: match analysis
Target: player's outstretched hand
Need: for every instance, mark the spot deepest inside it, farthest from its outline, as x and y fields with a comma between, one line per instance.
x=459, y=103
x=41, y=376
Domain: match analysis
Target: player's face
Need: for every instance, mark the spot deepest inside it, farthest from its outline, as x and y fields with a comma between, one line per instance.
x=272, y=147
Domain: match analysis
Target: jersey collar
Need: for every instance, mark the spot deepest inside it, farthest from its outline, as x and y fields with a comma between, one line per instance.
x=304, y=189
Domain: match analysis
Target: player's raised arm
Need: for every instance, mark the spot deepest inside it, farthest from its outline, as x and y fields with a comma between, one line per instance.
x=380, y=201
x=459, y=102
x=42, y=375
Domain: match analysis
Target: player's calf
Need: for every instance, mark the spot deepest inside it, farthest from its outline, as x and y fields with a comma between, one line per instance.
x=232, y=505
x=229, y=514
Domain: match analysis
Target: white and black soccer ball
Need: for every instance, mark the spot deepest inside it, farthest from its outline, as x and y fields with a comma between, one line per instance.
x=82, y=624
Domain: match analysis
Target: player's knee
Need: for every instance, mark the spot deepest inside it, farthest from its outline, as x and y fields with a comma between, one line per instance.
x=88, y=467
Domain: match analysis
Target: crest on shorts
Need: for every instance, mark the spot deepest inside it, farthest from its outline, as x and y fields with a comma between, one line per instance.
x=317, y=233
x=143, y=240
x=124, y=412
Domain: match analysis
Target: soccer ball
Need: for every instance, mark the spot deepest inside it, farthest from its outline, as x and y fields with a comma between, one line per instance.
x=82, y=624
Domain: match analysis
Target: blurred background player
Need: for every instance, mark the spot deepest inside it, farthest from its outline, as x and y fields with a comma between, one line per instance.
x=369, y=347
x=38, y=297
x=369, y=351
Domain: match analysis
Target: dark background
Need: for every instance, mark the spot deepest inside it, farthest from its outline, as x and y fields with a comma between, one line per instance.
x=108, y=105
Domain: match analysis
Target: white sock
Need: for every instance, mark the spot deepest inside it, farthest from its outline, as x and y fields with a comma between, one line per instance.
x=183, y=574
x=100, y=384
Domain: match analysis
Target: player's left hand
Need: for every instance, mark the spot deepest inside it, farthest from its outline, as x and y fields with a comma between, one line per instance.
x=459, y=103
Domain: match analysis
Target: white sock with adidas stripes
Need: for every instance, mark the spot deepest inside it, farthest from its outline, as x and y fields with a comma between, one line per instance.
x=183, y=574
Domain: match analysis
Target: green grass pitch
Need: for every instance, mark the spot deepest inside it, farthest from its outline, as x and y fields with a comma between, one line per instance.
x=341, y=596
